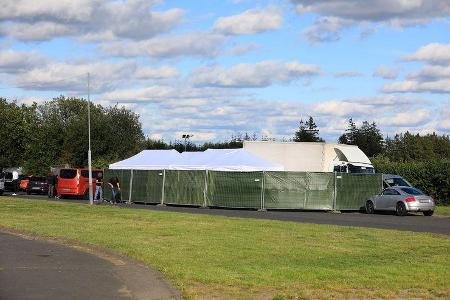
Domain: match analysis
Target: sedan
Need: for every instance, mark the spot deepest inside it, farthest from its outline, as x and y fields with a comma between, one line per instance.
x=37, y=185
x=402, y=200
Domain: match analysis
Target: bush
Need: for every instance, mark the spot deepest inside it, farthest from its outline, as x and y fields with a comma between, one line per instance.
x=432, y=177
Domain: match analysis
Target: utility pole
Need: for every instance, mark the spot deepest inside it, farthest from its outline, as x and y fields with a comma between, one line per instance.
x=91, y=198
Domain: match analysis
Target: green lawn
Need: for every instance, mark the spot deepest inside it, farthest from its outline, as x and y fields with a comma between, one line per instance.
x=231, y=258
x=443, y=210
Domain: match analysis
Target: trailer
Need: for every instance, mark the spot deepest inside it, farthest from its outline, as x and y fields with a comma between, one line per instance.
x=312, y=157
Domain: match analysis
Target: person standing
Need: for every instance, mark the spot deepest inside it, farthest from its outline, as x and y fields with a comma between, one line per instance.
x=52, y=191
x=115, y=188
x=99, y=187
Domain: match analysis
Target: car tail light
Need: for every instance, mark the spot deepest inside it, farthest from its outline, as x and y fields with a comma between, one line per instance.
x=410, y=199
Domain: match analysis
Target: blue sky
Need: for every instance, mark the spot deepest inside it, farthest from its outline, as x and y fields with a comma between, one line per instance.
x=219, y=68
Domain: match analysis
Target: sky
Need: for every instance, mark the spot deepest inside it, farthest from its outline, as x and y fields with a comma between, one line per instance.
x=217, y=68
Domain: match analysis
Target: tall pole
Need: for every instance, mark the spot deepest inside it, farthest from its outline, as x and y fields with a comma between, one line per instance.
x=91, y=198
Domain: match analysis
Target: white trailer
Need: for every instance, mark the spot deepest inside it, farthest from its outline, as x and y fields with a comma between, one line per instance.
x=312, y=157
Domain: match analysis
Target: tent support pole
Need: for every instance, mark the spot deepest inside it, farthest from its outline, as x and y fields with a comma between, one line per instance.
x=163, y=185
x=205, y=189
x=262, y=193
x=335, y=191
x=131, y=187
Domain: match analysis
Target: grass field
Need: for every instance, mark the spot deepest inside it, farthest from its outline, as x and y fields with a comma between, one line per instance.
x=231, y=258
x=443, y=210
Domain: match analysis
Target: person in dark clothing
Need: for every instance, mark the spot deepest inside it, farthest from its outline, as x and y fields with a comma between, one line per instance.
x=115, y=188
x=99, y=187
x=52, y=181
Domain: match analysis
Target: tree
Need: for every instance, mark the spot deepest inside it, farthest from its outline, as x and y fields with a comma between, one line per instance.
x=367, y=137
x=17, y=125
x=56, y=132
x=307, y=132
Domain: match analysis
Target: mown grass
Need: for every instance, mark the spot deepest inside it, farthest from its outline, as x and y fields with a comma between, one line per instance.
x=231, y=258
x=443, y=210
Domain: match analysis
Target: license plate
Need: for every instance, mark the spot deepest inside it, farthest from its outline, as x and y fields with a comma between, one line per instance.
x=66, y=190
x=35, y=188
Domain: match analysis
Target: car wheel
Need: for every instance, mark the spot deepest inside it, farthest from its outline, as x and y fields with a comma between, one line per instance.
x=400, y=209
x=370, y=209
x=428, y=213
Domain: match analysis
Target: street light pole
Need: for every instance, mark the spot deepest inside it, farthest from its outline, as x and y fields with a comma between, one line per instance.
x=185, y=137
x=91, y=198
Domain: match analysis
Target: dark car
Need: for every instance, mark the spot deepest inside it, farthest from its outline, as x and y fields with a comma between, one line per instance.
x=37, y=185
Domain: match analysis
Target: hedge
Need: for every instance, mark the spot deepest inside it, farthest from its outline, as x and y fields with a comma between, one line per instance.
x=432, y=177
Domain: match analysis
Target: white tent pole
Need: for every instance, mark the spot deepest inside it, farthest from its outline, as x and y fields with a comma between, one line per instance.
x=131, y=186
x=163, y=184
x=205, y=190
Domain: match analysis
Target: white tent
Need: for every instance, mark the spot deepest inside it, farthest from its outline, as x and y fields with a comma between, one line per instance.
x=211, y=159
x=148, y=160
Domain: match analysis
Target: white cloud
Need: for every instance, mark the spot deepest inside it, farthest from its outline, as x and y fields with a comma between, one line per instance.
x=156, y=73
x=413, y=86
x=72, y=77
x=348, y=74
x=201, y=44
x=14, y=62
x=251, y=21
x=432, y=53
x=90, y=19
x=434, y=77
x=336, y=15
x=376, y=10
x=326, y=29
x=260, y=74
x=385, y=72
x=410, y=118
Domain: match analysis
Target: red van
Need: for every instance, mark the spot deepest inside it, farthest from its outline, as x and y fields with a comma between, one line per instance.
x=75, y=182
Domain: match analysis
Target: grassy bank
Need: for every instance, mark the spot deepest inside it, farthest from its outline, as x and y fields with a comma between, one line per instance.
x=443, y=210
x=243, y=258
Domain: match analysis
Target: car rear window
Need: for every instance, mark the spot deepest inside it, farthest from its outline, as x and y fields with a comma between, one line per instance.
x=412, y=191
x=67, y=173
x=38, y=178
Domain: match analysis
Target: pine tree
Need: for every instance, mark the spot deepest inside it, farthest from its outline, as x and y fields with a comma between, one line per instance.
x=307, y=132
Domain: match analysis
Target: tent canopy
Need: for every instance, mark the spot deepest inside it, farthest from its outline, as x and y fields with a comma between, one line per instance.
x=211, y=159
x=148, y=160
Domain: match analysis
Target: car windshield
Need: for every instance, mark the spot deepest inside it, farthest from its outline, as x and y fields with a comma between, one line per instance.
x=358, y=169
x=397, y=181
x=412, y=191
x=68, y=173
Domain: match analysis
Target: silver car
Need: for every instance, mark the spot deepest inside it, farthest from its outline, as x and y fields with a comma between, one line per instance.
x=402, y=200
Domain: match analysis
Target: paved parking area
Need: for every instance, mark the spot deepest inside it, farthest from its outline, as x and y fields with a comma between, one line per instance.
x=412, y=222
x=32, y=268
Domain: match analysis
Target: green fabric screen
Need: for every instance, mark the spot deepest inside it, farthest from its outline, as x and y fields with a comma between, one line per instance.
x=147, y=186
x=352, y=190
x=234, y=189
x=271, y=190
x=184, y=187
x=124, y=183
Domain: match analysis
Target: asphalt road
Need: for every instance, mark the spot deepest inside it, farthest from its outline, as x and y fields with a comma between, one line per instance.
x=412, y=222
x=31, y=268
